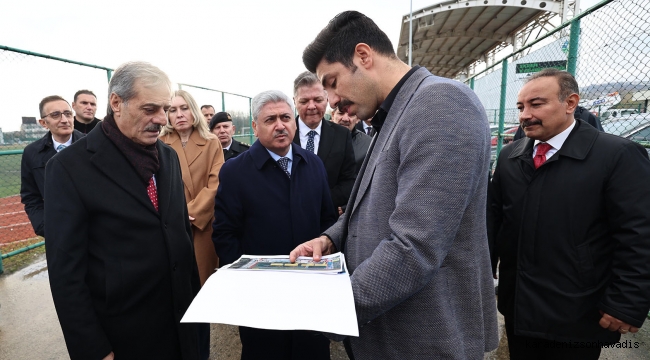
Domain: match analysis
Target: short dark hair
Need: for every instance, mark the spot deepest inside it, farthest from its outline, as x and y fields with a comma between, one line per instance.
x=207, y=106
x=80, y=92
x=49, y=99
x=337, y=41
x=568, y=84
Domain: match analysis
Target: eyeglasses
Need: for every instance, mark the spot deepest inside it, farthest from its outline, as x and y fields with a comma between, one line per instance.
x=57, y=114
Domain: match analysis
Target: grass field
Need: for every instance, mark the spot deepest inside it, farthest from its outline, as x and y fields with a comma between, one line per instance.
x=9, y=174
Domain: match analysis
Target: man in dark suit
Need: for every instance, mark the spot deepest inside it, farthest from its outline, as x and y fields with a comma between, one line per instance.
x=119, y=244
x=365, y=126
x=569, y=219
x=360, y=141
x=56, y=116
x=85, y=107
x=331, y=142
x=414, y=231
x=221, y=125
x=283, y=201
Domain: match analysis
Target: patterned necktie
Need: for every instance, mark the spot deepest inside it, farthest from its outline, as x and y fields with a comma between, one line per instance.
x=369, y=130
x=310, y=142
x=60, y=147
x=284, y=163
x=153, y=193
x=540, y=156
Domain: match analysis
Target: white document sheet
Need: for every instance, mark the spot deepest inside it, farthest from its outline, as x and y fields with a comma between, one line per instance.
x=277, y=300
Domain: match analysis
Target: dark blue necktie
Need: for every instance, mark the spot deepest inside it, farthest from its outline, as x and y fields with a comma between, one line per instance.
x=284, y=164
x=310, y=142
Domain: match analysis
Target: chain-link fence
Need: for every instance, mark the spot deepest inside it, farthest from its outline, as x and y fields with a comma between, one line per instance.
x=27, y=78
x=607, y=48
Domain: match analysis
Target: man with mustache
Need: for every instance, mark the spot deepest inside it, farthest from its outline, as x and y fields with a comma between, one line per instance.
x=332, y=143
x=569, y=220
x=56, y=116
x=118, y=242
x=414, y=233
x=85, y=107
x=270, y=199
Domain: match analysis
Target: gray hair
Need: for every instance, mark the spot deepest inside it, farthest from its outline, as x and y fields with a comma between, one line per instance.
x=125, y=76
x=306, y=78
x=269, y=96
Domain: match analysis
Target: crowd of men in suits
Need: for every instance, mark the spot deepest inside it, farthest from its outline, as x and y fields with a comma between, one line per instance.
x=403, y=196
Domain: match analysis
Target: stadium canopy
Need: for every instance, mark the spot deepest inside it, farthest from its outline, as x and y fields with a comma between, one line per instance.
x=450, y=36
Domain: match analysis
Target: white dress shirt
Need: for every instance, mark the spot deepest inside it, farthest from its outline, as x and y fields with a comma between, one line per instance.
x=66, y=144
x=277, y=157
x=556, y=141
x=303, y=129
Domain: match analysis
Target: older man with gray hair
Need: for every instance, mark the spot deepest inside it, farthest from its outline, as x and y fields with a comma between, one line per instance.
x=119, y=243
x=284, y=201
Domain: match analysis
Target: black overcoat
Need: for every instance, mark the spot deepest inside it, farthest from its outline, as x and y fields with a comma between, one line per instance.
x=122, y=274
x=573, y=236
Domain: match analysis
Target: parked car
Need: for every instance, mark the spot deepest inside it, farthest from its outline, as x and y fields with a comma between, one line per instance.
x=634, y=127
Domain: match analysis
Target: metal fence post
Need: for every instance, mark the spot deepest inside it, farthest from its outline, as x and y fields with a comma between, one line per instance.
x=471, y=83
x=502, y=103
x=250, y=117
x=574, y=40
x=109, y=75
x=223, y=101
x=2, y=269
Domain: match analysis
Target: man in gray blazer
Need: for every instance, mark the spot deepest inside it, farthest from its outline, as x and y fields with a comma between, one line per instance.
x=414, y=233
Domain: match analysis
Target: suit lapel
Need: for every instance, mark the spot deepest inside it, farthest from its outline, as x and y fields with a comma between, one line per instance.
x=163, y=180
x=174, y=141
x=326, y=140
x=114, y=165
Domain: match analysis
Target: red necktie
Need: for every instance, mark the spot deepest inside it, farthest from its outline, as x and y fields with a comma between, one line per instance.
x=153, y=194
x=540, y=156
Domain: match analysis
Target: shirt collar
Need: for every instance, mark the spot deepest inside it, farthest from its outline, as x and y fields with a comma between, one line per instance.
x=558, y=140
x=384, y=108
x=304, y=129
x=277, y=157
x=229, y=145
x=56, y=143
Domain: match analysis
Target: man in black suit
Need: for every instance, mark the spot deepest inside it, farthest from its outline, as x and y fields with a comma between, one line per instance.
x=331, y=142
x=365, y=126
x=287, y=182
x=56, y=116
x=221, y=125
x=119, y=244
x=85, y=107
x=569, y=218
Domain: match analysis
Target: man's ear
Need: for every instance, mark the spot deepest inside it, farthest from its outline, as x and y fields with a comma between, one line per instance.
x=234, y=129
x=115, y=102
x=572, y=102
x=363, y=55
x=255, y=128
x=43, y=123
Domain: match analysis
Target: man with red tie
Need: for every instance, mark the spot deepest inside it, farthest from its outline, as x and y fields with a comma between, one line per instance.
x=569, y=220
x=119, y=244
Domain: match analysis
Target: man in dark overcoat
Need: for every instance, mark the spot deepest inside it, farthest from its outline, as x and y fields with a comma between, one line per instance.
x=119, y=246
x=569, y=219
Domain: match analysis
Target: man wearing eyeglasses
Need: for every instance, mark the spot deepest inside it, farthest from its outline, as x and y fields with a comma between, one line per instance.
x=56, y=116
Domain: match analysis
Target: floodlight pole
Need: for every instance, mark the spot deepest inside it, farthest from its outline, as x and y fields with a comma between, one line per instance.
x=411, y=35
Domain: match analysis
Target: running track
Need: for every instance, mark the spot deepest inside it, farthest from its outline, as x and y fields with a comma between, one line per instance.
x=14, y=224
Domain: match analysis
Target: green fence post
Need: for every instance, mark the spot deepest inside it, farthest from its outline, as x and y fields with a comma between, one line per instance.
x=502, y=103
x=2, y=269
x=250, y=118
x=223, y=101
x=471, y=83
x=574, y=40
x=109, y=74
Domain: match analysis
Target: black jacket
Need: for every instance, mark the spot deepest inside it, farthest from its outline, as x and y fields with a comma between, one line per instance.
x=121, y=273
x=236, y=148
x=85, y=128
x=336, y=152
x=32, y=177
x=573, y=236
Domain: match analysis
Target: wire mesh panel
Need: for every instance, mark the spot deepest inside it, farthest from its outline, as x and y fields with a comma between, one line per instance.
x=239, y=108
x=613, y=67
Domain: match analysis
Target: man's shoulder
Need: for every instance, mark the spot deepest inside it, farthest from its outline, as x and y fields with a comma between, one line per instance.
x=36, y=145
x=242, y=146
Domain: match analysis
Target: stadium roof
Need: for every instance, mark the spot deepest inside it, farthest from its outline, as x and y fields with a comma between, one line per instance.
x=451, y=35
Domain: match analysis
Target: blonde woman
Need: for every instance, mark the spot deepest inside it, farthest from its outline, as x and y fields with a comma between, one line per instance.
x=201, y=157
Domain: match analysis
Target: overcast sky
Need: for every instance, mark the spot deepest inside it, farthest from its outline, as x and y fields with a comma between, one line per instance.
x=240, y=46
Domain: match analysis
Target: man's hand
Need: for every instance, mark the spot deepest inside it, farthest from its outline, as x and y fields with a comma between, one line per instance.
x=110, y=356
x=314, y=247
x=614, y=324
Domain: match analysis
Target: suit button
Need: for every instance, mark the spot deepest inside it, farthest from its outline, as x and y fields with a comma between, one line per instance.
x=174, y=267
x=165, y=225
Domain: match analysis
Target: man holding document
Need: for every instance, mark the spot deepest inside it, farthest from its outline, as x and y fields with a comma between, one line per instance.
x=414, y=233
x=270, y=199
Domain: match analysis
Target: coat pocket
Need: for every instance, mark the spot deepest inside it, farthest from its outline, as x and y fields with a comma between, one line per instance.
x=114, y=288
x=586, y=265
